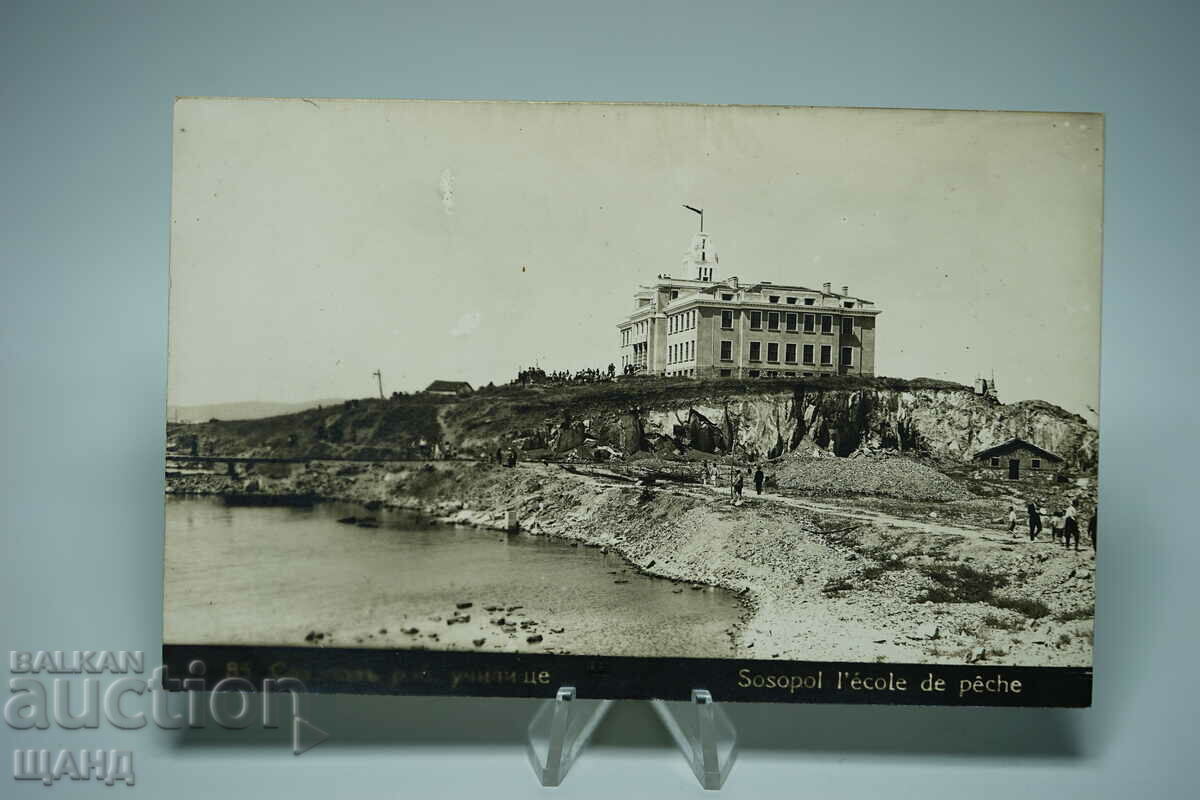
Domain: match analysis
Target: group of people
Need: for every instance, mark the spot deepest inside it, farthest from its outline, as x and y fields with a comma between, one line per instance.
x=533, y=375
x=1063, y=523
x=710, y=476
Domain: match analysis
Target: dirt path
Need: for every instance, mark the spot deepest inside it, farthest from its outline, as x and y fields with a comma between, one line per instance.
x=789, y=564
x=860, y=515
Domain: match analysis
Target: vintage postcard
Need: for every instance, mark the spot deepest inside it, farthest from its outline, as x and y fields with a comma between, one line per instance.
x=488, y=398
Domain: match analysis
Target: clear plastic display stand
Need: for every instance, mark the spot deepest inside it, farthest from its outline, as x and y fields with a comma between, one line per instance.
x=561, y=728
x=702, y=730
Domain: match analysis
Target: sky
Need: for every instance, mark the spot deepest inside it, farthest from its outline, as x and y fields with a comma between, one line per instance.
x=314, y=242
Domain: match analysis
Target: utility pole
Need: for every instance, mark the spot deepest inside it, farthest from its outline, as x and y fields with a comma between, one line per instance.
x=379, y=376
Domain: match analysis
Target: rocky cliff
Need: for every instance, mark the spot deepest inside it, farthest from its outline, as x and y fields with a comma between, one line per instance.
x=945, y=422
x=754, y=419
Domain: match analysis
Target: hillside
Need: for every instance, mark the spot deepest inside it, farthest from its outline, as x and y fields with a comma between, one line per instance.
x=665, y=417
x=250, y=409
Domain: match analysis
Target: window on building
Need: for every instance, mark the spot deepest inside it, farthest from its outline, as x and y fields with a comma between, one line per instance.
x=756, y=351
x=754, y=373
x=674, y=294
x=808, y=301
x=772, y=374
x=756, y=320
x=808, y=354
x=774, y=298
x=727, y=320
x=826, y=323
x=809, y=323
x=847, y=326
x=808, y=374
x=727, y=297
x=792, y=321
x=772, y=320
x=847, y=356
x=789, y=374
x=848, y=304
x=725, y=373
x=773, y=352
x=791, y=301
x=826, y=355
x=995, y=461
x=726, y=351
x=1035, y=463
x=789, y=353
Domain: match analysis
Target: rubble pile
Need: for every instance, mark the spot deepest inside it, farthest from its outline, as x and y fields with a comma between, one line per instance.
x=866, y=475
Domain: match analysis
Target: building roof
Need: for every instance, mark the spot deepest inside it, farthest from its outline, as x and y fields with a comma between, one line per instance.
x=449, y=386
x=1011, y=443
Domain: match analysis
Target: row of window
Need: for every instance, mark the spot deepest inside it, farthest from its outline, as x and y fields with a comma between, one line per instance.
x=771, y=373
x=635, y=331
x=789, y=353
x=638, y=359
x=684, y=351
x=682, y=322
x=791, y=301
x=1034, y=463
x=791, y=322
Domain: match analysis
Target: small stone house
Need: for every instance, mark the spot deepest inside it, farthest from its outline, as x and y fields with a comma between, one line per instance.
x=449, y=388
x=1017, y=459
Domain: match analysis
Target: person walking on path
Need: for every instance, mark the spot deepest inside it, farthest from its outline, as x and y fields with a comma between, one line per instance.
x=758, y=480
x=1012, y=519
x=1070, y=526
x=1035, y=520
x=1092, y=529
x=738, y=485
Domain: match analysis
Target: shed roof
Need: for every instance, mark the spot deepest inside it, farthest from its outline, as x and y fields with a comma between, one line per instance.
x=1015, y=442
x=449, y=386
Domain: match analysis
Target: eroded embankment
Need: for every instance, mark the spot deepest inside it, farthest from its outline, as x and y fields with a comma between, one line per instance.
x=817, y=586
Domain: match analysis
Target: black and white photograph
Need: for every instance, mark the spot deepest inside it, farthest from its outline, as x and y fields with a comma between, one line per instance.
x=755, y=389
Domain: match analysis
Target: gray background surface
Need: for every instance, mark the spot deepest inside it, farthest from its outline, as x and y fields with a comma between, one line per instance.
x=85, y=143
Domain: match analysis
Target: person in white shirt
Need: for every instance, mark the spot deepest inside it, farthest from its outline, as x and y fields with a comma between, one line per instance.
x=1070, y=526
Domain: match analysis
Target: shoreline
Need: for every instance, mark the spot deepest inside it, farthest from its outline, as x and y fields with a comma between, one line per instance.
x=801, y=583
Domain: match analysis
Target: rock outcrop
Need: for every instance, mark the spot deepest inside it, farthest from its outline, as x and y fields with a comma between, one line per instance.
x=944, y=423
x=754, y=420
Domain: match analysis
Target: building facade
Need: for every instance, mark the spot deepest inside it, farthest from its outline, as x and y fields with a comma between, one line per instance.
x=1018, y=459
x=706, y=326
